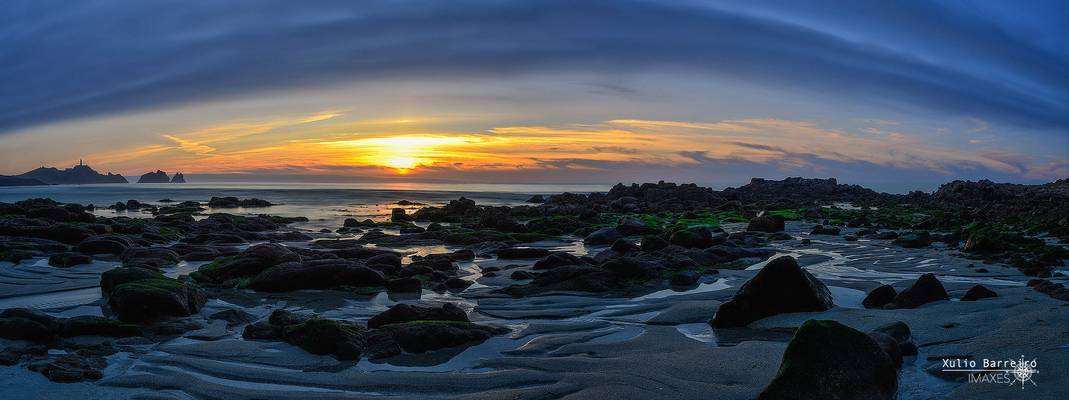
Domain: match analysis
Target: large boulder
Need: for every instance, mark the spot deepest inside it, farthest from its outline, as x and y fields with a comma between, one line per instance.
x=925, y=290
x=557, y=259
x=633, y=227
x=155, y=257
x=115, y=277
x=249, y=263
x=780, y=287
x=825, y=230
x=693, y=237
x=423, y=336
x=603, y=236
x=22, y=328
x=879, y=297
x=828, y=360
x=344, y=340
x=104, y=244
x=653, y=243
x=68, y=259
x=291, y=276
x=148, y=299
x=914, y=240
x=629, y=267
x=407, y=313
x=766, y=223
x=978, y=292
x=902, y=334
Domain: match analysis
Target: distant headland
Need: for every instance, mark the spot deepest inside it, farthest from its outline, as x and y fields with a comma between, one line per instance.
x=161, y=177
x=81, y=174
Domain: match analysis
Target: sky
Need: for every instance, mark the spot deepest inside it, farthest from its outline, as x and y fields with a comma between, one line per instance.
x=887, y=94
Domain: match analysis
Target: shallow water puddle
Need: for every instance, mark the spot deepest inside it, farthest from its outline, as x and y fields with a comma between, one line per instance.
x=702, y=332
x=846, y=297
x=719, y=284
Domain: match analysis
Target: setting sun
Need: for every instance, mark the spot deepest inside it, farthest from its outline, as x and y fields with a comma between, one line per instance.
x=401, y=153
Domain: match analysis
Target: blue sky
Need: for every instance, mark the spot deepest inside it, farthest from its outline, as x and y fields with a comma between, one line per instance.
x=870, y=91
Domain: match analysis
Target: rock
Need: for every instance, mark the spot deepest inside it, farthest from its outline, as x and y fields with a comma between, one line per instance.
x=685, y=278
x=978, y=292
x=70, y=368
x=634, y=227
x=104, y=244
x=398, y=215
x=602, y=236
x=359, y=276
x=233, y=317
x=19, y=328
x=457, y=283
x=914, y=240
x=925, y=290
x=114, y=277
x=889, y=346
x=823, y=230
x=90, y=325
x=404, y=285
x=850, y=238
x=510, y=253
x=780, y=287
x=901, y=333
x=699, y=237
x=521, y=275
x=766, y=223
x=391, y=259
x=653, y=243
x=780, y=236
x=178, y=178
x=423, y=336
x=293, y=276
x=879, y=297
x=250, y=262
x=147, y=299
x=629, y=267
x=327, y=337
x=283, y=317
x=885, y=235
x=234, y=202
x=261, y=331
x=406, y=229
x=536, y=199
x=407, y=313
x=828, y=360
x=154, y=257
x=68, y=259
x=624, y=246
x=557, y=259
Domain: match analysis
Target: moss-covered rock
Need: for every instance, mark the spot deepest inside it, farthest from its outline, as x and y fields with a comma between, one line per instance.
x=344, y=340
x=148, y=299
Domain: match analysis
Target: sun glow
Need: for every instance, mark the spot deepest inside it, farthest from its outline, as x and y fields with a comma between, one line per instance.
x=402, y=153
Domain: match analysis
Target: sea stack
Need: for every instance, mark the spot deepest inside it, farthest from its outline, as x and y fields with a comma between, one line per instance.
x=154, y=177
x=178, y=178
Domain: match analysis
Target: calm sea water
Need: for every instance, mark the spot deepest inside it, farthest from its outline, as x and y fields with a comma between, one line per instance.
x=326, y=205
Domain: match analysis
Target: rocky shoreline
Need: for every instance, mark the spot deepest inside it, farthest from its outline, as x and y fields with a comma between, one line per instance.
x=824, y=300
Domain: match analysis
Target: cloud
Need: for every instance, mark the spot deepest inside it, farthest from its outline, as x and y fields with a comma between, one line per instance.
x=64, y=61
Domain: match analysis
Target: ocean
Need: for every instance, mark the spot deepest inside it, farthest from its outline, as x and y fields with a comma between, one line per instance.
x=324, y=204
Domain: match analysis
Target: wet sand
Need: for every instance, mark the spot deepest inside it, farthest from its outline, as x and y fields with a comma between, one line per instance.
x=569, y=345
